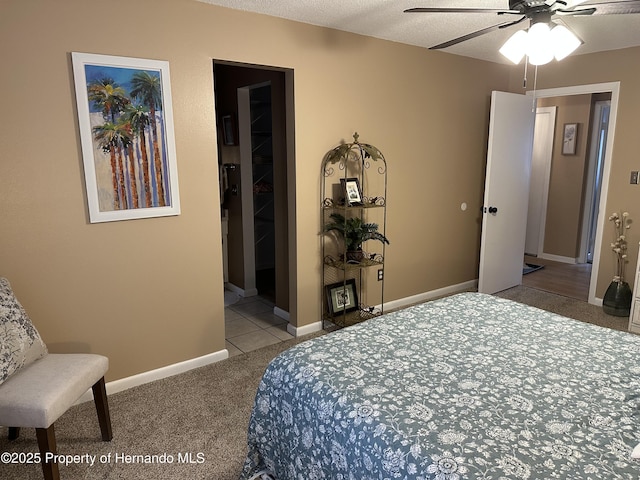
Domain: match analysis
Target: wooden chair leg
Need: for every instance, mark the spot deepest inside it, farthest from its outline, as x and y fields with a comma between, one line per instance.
x=14, y=433
x=102, y=407
x=47, y=443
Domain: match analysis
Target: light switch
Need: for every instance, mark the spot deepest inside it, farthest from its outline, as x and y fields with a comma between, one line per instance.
x=634, y=178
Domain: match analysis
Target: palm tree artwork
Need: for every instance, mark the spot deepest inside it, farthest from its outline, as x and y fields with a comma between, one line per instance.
x=127, y=128
x=146, y=87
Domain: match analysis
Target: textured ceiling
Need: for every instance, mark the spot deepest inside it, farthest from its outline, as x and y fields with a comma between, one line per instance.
x=385, y=19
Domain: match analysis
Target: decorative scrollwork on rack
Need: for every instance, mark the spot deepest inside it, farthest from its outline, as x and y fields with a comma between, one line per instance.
x=367, y=202
x=331, y=260
x=374, y=201
x=368, y=311
x=376, y=258
x=342, y=263
x=354, y=151
x=328, y=203
x=364, y=312
x=328, y=170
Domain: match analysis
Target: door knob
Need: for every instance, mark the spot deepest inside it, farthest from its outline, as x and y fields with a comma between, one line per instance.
x=493, y=209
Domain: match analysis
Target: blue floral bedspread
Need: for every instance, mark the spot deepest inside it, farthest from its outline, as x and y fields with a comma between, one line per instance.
x=468, y=387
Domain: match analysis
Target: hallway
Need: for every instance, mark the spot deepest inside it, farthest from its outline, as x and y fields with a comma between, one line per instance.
x=568, y=280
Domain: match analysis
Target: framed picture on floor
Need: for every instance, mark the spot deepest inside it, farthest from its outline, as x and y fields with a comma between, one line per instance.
x=342, y=297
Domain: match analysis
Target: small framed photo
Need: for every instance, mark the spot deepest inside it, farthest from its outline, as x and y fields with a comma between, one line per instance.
x=342, y=297
x=351, y=189
x=569, y=138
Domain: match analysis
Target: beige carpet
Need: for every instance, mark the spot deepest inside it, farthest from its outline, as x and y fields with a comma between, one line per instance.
x=204, y=411
x=569, y=307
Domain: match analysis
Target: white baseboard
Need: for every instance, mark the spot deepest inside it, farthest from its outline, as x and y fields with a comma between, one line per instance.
x=278, y=312
x=305, y=329
x=423, y=297
x=252, y=292
x=158, y=374
x=558, y=258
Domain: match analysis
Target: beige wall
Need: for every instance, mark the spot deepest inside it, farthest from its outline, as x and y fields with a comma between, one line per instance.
x=148, y=293
x=613, y=66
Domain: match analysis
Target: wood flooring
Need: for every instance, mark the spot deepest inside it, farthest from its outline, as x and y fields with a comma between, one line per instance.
x=569, y=280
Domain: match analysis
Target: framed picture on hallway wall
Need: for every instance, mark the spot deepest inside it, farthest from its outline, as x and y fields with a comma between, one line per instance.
x=569, y=138
x=127, y=137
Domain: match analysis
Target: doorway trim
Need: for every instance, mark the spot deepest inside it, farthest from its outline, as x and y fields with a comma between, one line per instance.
x=614, y=88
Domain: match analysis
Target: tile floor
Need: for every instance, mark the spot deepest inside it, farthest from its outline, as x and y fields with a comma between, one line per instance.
x=250, y=324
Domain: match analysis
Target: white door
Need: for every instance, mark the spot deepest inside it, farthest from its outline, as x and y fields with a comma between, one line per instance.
x=506, y=192
x=539, y=184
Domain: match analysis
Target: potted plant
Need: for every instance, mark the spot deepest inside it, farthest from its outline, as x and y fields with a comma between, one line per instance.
x=617, y=298
x=354, y=232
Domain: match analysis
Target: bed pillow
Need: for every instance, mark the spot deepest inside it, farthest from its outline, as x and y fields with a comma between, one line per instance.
x=21, y=343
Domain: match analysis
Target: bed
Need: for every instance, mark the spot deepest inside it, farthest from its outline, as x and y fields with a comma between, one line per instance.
x=471, y=386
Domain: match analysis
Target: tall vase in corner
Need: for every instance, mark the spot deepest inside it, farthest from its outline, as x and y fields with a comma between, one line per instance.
x=617, y=299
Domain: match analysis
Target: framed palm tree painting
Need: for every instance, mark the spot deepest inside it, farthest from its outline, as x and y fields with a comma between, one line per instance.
x=126, y=132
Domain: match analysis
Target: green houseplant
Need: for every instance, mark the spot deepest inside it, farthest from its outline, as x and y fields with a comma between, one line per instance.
x=354, y=232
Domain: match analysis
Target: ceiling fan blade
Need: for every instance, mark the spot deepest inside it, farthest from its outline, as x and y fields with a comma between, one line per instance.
x=615, y=8
x=461, y=10
x=571, y=13
x=605, y=8
x=469, y=36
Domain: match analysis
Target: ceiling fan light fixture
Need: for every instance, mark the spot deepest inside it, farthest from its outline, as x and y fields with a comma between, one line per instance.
x=541, y=44
x=564, y=41
x=515, y=48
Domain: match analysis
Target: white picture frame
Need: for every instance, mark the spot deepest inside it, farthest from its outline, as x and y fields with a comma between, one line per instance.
x=130, y=167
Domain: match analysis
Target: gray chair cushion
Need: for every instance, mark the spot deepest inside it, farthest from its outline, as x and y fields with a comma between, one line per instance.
x=21, y=343
x=39, y=393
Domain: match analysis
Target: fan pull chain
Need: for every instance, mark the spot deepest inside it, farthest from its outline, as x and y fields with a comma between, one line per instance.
x=535, y=83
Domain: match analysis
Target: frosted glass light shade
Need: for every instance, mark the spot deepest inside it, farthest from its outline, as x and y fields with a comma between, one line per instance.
x=564, y=42
x=515, y=48
x=539, y=44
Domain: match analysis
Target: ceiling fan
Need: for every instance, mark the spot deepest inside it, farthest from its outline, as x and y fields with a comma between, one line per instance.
x=537, y=11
